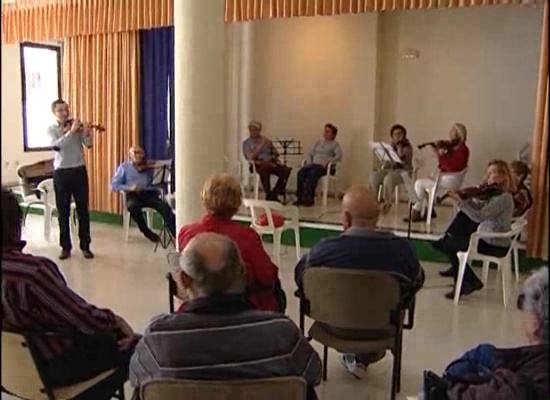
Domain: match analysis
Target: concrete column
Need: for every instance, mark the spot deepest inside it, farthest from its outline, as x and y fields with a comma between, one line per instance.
x=199, y=100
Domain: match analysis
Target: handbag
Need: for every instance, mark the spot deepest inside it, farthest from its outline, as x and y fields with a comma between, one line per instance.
x=435, y=387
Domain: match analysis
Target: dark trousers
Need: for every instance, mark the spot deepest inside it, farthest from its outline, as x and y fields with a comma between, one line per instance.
x=72, y=183
x=282, y=172
x=461, y=225
x=308, y=178
x=137, y=201
x=89, y=357
x=450, y=245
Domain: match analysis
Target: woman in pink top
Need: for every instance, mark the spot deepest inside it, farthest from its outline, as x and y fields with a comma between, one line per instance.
x=221, y=198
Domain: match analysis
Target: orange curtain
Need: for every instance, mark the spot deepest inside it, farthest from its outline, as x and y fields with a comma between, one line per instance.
x=36, y=20
x=101, y=84
x=246, y=10
x=537, y=235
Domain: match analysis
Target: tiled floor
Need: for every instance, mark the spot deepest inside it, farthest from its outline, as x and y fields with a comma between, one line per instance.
x=129, y=278
x=331, y=215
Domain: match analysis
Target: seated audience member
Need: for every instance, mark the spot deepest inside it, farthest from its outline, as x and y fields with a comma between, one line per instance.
x=491, y=215
x=521, y=373
x=219, y=336
x=361, y=246
x=389, y=176
x=221, y=198
x=261, y=152
x=324, y=151
x=451, y=160
x=522, y=195
x=36, y=298
x=135, y=177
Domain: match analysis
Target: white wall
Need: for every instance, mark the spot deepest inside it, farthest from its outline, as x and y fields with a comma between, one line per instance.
x=13, y=153
x=310, y=71
x=478, y=66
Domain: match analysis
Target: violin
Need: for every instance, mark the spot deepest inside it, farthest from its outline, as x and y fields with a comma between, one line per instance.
x=145, y=165
x=482, y=192
x=447, y=145
x=95, y=127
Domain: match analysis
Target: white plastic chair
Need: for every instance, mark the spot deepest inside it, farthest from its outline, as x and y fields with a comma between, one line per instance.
x=504, y=264
x=515, y=249
x=48, y=198
x=418, y=163
x=290, y=214
x=432, y=193
x=325, y=181
x=158, y=180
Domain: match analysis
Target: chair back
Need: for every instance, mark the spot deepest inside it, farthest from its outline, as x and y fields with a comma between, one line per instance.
x=259, y=207
x=48, y=193
x=30, y=175
x=19, y=373
x=352, y=299
x=288, y=388
x=518, y=225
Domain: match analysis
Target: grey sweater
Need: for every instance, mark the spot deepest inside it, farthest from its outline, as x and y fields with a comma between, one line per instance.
x=324, y=152
x=495, y=216
x=71, y=152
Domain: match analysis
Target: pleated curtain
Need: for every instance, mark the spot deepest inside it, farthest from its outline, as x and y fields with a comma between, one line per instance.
x=101, y=85
x=537, y=235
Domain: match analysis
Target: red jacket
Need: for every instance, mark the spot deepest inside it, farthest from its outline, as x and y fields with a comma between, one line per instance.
x=456, y=160
x=261, y=273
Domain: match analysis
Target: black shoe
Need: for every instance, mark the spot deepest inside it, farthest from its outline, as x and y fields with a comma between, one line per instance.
x=64, y=254
x=87, y=254
x=448, y=273
x=416, y=216
x=152, y=236
x=467, y=288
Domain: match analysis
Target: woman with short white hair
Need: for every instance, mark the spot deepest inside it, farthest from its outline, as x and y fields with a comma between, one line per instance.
x=487, y=372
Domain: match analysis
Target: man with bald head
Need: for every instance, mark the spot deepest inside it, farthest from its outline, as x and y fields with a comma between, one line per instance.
x=134, y=178
x=218, y=336
x=362, y=246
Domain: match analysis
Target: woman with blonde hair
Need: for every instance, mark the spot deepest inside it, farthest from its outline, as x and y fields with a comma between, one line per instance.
x=488, y=215
x=221, y=198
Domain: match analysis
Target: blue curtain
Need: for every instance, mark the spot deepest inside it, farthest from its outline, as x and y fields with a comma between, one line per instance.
x=157, y=92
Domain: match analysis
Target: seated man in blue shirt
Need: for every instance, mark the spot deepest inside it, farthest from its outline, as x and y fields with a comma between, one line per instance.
x=361, y=246
x=135, y=178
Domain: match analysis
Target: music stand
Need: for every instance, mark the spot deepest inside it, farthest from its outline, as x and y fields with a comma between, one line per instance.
x=290, y=147
x=161, y=179
x=412, y=197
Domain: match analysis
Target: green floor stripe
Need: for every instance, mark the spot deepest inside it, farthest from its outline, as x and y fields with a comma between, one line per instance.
x=312, y=236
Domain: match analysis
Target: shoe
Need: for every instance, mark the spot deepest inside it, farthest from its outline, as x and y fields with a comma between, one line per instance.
x=87, y=254
x=351, y=365
x=467, y=288
x=152, y=236
x=416, y=216
x=64, y=254
x=448, y=273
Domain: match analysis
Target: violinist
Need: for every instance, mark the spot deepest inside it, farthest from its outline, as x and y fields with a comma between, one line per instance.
x=522, y=195
x=493, y=214
x=451, y=160
x=70, y=177
x=390, y=174
x=135, y=177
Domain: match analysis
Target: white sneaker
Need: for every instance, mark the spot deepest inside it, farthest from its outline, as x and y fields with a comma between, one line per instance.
x=350, y=363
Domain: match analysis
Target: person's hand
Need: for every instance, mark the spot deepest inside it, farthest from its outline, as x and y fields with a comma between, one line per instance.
x=76, y=125
x=133, y=188
x=126, y=332
x=453, y=196
x=442, y=151
x=86, y=131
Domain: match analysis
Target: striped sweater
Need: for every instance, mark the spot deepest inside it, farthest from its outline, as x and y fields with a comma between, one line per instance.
x=221, y=338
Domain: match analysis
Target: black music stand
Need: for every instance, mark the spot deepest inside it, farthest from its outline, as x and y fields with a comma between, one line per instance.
x=288, y=147
x=161, y=179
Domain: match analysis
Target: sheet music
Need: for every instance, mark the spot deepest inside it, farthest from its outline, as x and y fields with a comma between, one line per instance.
x=385, y=152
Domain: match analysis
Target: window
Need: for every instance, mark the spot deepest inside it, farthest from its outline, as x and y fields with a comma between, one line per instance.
x=41, y=85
